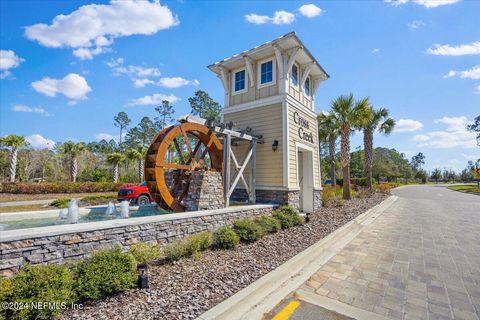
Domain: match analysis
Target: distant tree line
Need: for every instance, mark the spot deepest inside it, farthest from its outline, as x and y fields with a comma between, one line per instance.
x=99, y=161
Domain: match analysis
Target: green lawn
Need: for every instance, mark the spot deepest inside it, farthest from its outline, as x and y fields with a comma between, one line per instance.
x=469, y=188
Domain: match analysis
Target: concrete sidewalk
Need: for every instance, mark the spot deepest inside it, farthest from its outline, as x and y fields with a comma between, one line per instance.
x=25, y=203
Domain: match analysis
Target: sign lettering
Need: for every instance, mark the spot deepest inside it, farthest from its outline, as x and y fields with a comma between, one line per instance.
x=303, y=124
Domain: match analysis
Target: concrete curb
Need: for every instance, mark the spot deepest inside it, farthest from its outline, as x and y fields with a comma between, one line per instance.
x=264, y=294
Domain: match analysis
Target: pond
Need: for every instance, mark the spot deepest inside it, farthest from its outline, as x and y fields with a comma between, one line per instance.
x=36, y=220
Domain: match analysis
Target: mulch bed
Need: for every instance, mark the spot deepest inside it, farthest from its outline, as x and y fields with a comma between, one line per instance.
x=187, y=288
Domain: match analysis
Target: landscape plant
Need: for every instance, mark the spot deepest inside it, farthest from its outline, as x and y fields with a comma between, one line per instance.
x=60, y=203
x=287, y=216
x=247, y=230
x=348, y=115
x=268, y=224
x=225, y=238
x=377, y=121
x=72, y=150
x=145, y=253
x=37, y=283
x=13, y=142
x=105, y=272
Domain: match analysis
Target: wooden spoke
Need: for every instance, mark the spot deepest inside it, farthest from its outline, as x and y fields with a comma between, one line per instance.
x=167, y=165
x=180, y=153
x=187, y=141
x=195, y=150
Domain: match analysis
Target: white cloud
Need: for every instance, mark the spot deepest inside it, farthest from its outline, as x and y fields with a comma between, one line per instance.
x=279, y=17
x=310, y=10
x=416, y=24
x=477, y=89
x=176, y=82
x=154, y=99
x=473, y=73
x=8, y=60
x=90, y=29
x=36, y=141
x=425, y=3
x=138, y=74
x=470, y=156
x=73, y=86
x=407, y=125
x=375, y=50
x=461, y=50
x=24, y=108
x=453, y=123
x=455, y=134
x=140, y=83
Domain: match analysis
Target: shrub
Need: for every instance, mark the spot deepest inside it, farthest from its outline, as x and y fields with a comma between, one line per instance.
x=58, y=187
x=247, y=230
x=40, y=283
x=106, y=272
x=145, y=253
x=95, y=175
x=268, y=224
x=225, y=238
x=385, y=187
x=6, y=291
x=189, y=246
x=332, y=196
x=60, y=203
x=174, y=251
x=287, y=216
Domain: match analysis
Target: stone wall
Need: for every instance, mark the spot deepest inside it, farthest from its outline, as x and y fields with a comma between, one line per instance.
x=205, y=191
x=58, y=244
x=279, y=197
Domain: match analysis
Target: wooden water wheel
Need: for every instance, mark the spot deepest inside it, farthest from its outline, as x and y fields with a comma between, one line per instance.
x=175, y=153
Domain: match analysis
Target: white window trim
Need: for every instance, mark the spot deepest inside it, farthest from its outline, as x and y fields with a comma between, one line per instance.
x=233, y=81
x=298, y=76
x=308, y=96
x=259, y=72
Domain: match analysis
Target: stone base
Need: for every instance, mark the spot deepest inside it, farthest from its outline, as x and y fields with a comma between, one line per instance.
x=279, y=197
x=205, y=191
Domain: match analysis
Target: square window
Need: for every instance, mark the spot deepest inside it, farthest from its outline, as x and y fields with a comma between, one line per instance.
x=294, y=75
x=266, y=72
x=307, y=86
x=240, y=80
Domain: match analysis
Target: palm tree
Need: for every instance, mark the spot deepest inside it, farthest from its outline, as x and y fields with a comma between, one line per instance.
x=348, y=115
x=139, y=155
x=377, y=120
x=73, y=150
x=13, y=142
x=115, y=158
x=328, y=131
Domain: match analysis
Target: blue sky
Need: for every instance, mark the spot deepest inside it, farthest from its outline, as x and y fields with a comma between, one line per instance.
x=66, y=77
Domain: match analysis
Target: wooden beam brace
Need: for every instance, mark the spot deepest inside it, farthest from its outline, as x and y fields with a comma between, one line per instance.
x=279, y=57
x=316, y=84
x=253, y=172
x=249, y=64
x=226, y=169
x=305, y=72
x=240, y=173
x=292, y=58
x=224, y=77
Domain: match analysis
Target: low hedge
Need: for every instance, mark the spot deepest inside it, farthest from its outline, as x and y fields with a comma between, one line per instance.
x=58, y=187
x=287, y=216
x=52, y=284
x=247, y=230
x=268, y=224
x=106, y=272
x=189, y=246
x=225, y=238
x=145, y=253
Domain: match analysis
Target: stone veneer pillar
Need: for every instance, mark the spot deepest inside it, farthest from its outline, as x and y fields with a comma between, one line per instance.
x=205, y=191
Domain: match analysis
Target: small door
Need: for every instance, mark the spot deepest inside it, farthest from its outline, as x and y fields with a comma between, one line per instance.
x=305, y=179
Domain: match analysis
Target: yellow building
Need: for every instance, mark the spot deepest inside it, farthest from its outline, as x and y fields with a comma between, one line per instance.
x=271, y=89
